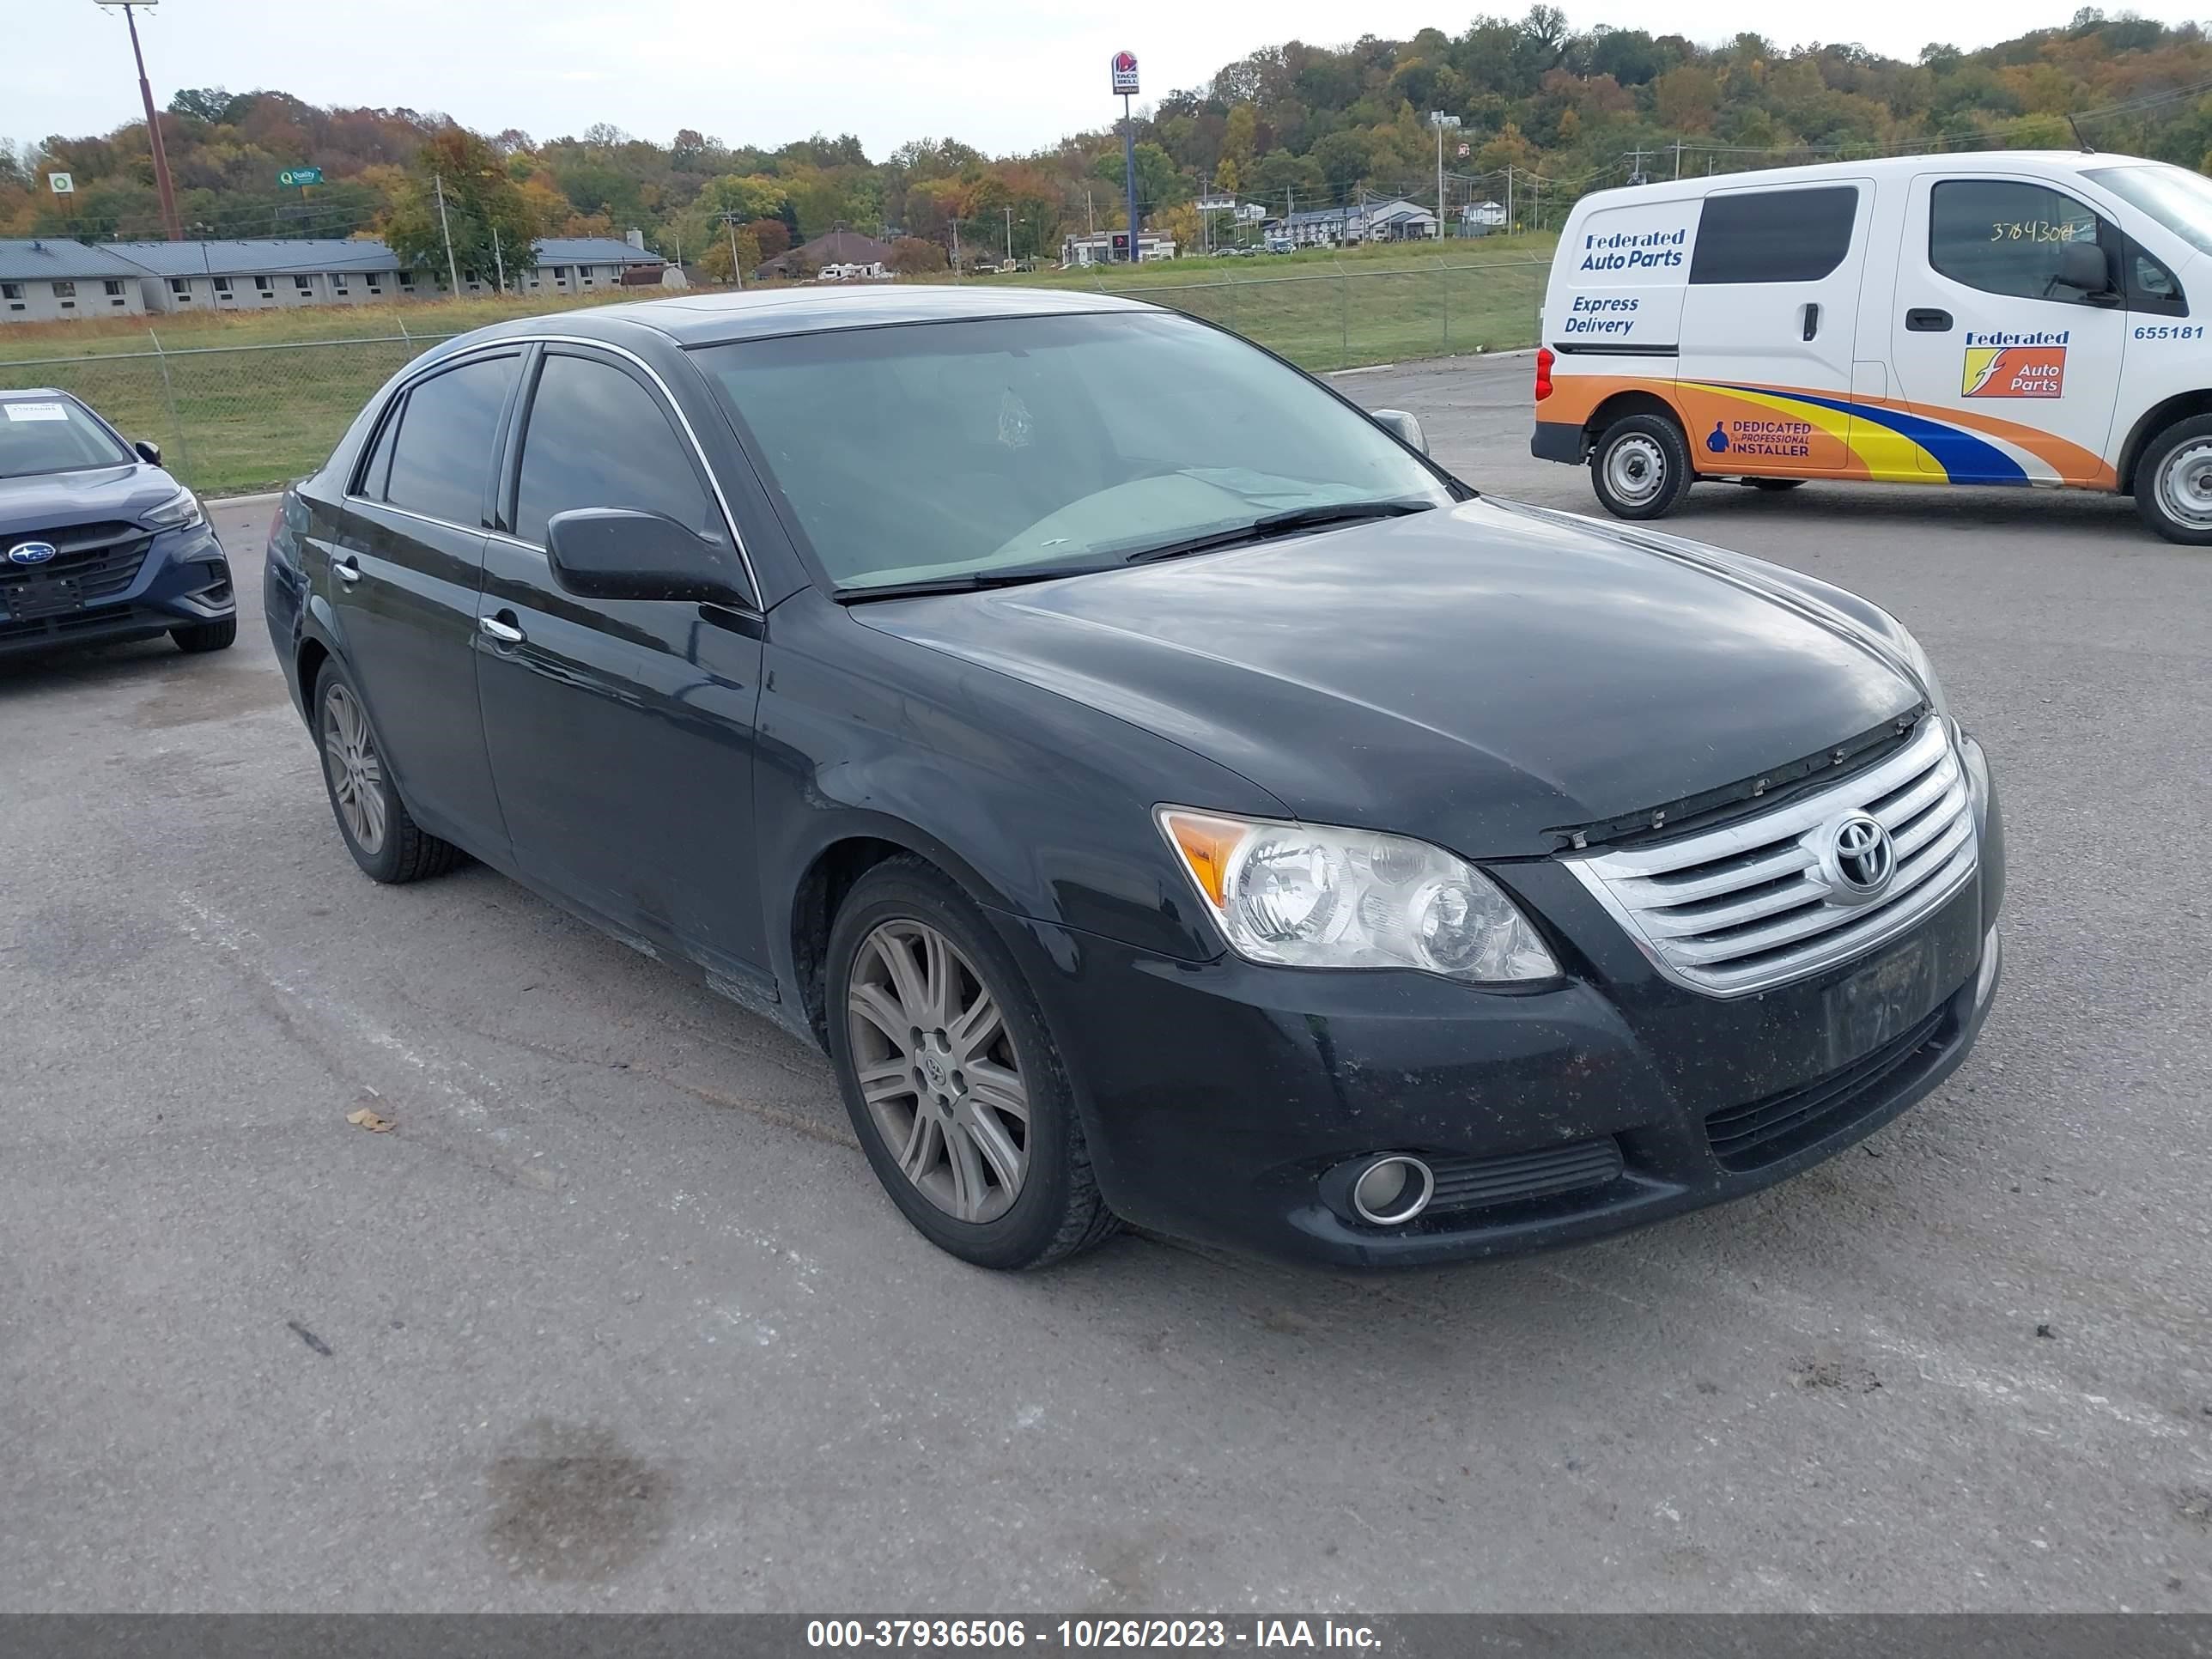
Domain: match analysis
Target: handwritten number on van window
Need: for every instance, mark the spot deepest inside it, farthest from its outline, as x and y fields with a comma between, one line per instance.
x=2038, y=230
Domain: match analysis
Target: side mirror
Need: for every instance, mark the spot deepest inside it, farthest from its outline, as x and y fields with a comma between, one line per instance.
x=621, y=553
x=1403, y=427
x=2081, y=266
x=147, y=452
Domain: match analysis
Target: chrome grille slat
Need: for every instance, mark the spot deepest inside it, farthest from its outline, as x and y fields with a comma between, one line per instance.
x=1790, y=915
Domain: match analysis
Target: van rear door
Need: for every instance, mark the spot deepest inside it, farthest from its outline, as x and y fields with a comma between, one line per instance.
x=2009, y=375
x=1769, y=320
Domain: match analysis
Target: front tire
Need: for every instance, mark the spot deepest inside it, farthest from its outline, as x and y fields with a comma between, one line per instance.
x=383, y=837
x=1640, y=467
x=954, y=1083
x=2173, y=483
x=193, y=638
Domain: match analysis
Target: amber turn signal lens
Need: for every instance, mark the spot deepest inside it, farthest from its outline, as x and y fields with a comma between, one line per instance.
x=1206, y=845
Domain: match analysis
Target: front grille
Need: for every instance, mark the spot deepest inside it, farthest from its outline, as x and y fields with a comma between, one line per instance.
x=1469, y=1183
x=1759, y=903
x=1746, y=1137
x=91, y=562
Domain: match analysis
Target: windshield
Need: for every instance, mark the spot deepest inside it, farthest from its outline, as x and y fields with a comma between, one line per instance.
x=945, y=451
x=53, y=434
x=2174, y=197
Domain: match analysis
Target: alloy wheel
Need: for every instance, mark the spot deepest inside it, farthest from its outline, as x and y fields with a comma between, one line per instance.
x=938, y=1071
x=356, y=774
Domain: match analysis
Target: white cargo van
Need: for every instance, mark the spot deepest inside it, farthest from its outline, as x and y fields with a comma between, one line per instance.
x=2004, y=318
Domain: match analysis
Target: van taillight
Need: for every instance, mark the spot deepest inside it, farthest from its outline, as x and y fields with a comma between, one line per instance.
x=1544, y=360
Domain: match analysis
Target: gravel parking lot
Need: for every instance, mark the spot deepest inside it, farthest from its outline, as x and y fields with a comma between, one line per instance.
x=615, y=1317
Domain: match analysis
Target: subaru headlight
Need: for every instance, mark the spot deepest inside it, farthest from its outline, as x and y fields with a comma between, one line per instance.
x=179, y=511
x=1308, y=895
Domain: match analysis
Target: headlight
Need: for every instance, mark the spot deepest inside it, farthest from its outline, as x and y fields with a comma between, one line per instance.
x=181, y=509
x=1307, y=896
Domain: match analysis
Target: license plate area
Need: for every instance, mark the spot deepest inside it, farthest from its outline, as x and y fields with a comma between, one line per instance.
x=52, y=596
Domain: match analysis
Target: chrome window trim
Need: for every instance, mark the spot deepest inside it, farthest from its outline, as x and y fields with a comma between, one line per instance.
x=668, y=398
x=1612, y=878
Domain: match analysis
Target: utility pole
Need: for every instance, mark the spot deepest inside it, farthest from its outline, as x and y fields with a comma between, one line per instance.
x=452, y=270
x=1509, y=198
x=1441, y=122
x=170, y=226
x=1010, y=235
x=730, y=224
x=1677, y=158
x=1089, y=219
x=499, y=261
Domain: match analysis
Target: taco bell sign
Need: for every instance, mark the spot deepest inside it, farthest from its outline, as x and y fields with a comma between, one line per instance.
x=1124, y=74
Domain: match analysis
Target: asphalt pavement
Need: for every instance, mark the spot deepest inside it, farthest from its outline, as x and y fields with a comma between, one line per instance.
x=615, y=1317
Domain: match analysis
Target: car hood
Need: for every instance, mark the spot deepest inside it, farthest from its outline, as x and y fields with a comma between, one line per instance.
x=1480, y=677
x=54, y=500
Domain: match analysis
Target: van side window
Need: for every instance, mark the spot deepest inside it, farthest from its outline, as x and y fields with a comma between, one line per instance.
x=1774, y=235
x=2003, y=236
x=2150, y=285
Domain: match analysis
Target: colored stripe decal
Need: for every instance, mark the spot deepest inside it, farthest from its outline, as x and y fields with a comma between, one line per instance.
x=1962, y=457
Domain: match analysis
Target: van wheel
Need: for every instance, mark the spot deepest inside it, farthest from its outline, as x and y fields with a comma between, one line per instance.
x=1640, y=467
x=2173, y=484
x=1776, y=485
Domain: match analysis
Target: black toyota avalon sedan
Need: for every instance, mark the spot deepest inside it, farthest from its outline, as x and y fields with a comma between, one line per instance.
x=1167, y=795
x=98, y=545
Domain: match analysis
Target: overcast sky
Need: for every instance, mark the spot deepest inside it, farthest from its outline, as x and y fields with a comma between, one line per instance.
x=1002, y=75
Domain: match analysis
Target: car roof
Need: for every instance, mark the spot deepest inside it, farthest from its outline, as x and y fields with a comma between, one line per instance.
x=695, y=319
x=1882, y=167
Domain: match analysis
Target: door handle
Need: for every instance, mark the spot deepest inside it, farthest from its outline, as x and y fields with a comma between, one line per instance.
x=1926, y=320
x=501, y=627
x=1812, y=321
x=347, y=570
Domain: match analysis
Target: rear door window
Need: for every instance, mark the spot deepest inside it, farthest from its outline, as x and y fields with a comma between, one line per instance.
x=441, y=456
x=1774, y=235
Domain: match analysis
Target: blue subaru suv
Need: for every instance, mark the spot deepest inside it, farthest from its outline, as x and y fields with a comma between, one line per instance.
x=97, y=543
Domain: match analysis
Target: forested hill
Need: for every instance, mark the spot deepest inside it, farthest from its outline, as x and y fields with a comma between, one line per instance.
x=1294, y=124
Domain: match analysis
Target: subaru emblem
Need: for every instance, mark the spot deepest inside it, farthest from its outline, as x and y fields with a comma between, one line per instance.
x=1865, y=857
x=30, y=552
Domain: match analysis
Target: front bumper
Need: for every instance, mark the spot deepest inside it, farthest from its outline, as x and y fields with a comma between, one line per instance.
x=181, y=580
x=1225, y=1102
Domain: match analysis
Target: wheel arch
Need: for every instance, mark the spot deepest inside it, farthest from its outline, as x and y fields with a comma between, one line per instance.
x=1621, y=405
x=2182, y=406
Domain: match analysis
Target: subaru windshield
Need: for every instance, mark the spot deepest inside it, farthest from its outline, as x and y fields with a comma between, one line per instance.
x=977, y=453
x=53, y=434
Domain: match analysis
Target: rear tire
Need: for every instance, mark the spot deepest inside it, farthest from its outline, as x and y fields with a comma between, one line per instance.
x=2173, y=483
x=1640, y=467
x=195, y=637
x=384, y=839
x=953, y=1082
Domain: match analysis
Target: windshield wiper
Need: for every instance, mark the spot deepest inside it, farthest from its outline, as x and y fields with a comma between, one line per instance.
x=971, y=581
x=1288, y=523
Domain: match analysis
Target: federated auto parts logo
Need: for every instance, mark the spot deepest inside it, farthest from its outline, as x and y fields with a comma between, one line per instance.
x=2015, y=365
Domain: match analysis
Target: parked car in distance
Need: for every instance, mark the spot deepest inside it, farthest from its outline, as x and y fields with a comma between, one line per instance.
x=2007, y=318
x=1164, y=792
x=98, y=545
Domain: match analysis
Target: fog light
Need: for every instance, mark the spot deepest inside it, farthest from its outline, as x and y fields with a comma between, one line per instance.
x=1391, y=1191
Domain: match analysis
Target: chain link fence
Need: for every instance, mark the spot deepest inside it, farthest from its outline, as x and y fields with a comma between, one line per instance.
x=243, y=418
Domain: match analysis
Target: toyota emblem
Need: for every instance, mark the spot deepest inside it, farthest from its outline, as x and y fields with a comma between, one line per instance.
x=1865, y=858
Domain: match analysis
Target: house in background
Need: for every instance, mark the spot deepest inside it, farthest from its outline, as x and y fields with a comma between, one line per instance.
x=1391, y=220
x=266, y=274
x=49, y=279
x=1477, y=216
x=837, y=248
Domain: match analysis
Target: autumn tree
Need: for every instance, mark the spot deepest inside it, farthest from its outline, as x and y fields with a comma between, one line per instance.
x=491, y=223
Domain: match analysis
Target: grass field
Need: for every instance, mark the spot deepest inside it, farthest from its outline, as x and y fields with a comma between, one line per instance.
x=240, y=402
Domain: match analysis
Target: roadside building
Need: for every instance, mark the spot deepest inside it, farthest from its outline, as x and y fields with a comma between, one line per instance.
x=838, y=249
x=1393, y=219
x=52, y=279
x=585, y=265
x=268, y=274
x=1112, y=246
